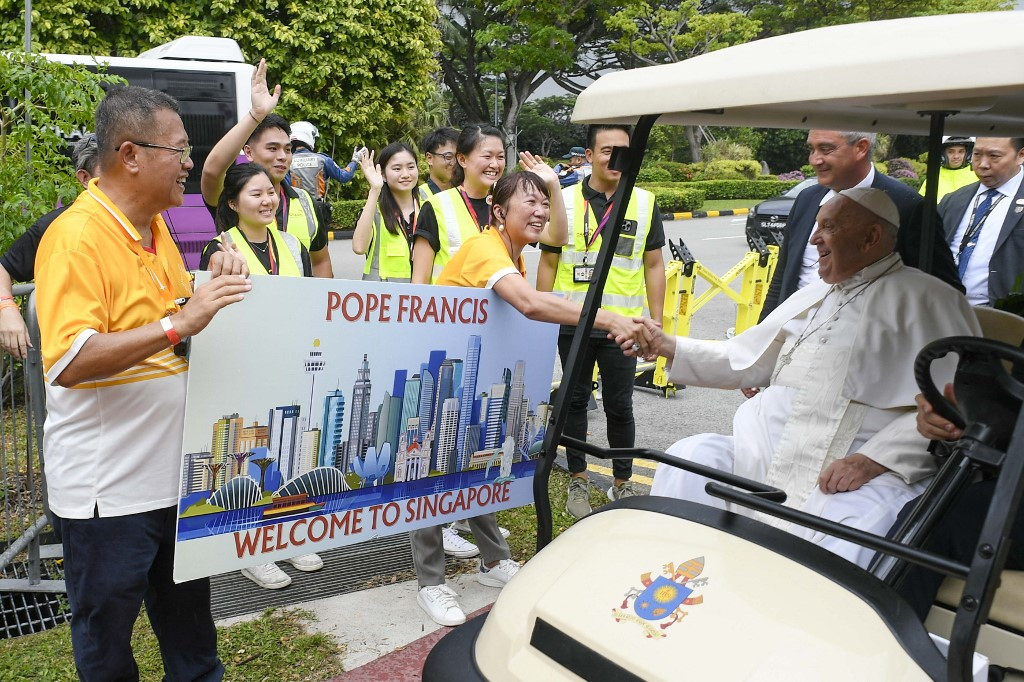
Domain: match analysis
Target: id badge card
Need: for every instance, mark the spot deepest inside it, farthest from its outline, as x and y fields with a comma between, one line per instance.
x=582, y=274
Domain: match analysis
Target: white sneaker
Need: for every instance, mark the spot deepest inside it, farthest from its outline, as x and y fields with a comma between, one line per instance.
x=456, y=545
x=307, y=562
x=499, y=575
x=267, y=576
x=463, y=527
x=438, y=601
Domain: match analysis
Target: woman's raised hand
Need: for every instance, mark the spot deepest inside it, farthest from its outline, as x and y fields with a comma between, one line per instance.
x=537, y=165
x=371, y=171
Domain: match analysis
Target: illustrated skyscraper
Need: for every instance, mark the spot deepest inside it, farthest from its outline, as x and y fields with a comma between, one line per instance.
x=284, y=438
x=331, y=427
x=358, y=426
x=314, y=365
x=468, y=395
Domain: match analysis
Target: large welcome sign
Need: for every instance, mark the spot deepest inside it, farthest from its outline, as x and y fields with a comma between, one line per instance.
x=326, y=412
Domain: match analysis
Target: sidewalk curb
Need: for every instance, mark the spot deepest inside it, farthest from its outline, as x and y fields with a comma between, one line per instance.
x=339, y=234
x=689, y=215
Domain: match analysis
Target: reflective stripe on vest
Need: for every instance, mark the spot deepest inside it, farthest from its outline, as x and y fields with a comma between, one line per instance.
x=425, y=192
x=454, y=226
x=302, y=223
x=289, y=252
x=395, y=265
x=624, y=288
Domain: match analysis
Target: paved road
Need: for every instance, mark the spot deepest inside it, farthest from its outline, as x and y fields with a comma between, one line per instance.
x=719, y=244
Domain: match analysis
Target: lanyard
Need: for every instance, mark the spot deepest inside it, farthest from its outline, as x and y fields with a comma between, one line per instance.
x=402, y=222
x=270, y=249
x=587, y=239
x=974, y=227
x=469, y=205
x=284, y=210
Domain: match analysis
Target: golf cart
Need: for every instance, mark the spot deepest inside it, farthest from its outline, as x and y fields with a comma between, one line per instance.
x=660, y=589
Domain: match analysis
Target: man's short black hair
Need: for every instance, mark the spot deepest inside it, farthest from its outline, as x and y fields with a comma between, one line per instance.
x=1017, y=143
x=438, y=138
x=593, y=130
x=126, y=114
x=271, y=121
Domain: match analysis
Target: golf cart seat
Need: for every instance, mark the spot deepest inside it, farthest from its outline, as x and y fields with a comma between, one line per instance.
x=1008, y=607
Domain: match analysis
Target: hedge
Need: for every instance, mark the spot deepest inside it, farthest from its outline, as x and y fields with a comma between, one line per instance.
x=345, y=213
x=729, y=189
x=678, y=199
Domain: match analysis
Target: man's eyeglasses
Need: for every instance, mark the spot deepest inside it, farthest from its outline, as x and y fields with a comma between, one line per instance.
x=185, y=152
x=448, y=157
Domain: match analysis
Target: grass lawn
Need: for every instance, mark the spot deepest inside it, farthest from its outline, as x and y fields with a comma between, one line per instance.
x=522, y=521
x=722, y=204
x=274, y=646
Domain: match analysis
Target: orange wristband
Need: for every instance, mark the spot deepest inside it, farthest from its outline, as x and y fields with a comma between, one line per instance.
x=172, y=335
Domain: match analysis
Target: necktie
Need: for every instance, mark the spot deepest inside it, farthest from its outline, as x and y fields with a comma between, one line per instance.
x=974, y=229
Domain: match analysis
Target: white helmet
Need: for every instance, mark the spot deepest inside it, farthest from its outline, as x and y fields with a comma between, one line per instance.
x=305, y=132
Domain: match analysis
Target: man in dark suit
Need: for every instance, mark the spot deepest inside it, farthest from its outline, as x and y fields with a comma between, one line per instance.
x=985, y=221
x=842, y=160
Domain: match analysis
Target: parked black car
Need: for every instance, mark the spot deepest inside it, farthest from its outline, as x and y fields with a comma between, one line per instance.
x=768, y=219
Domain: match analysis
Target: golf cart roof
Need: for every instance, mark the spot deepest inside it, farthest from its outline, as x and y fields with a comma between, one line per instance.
x=872, y=76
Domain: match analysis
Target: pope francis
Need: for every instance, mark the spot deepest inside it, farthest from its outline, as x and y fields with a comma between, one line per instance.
x=835, y=428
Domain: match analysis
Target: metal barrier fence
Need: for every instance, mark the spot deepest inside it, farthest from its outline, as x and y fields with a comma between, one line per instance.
x=30, y=584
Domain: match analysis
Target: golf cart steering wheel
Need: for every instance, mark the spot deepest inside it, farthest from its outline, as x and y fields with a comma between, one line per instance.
x=986, y=391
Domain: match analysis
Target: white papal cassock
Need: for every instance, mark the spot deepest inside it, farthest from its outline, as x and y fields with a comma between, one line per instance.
x=838, y=362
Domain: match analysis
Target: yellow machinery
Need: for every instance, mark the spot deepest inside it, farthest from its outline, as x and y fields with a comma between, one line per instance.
x=754, y=271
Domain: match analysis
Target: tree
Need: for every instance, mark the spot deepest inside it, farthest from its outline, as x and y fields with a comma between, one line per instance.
x=359, y=69
x=545, y=127
x=521, y=44
x=40, y=101
x=263, y=463
x=675, y=30
x=214, y=470
x=778, y=17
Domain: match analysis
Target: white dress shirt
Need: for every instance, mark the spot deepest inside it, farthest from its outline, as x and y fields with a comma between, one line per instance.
x=976, y=277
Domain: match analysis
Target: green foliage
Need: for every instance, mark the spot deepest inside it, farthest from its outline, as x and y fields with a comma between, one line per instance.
x=678, y=172
x=893, y=165
x=545, y=127
x=732, y=189
x=787, y=16
x=359, y=69
x=807, y=169
x=730, y=170
x=61, y=99
x=666, y=143
x=727, y=150
x=912, y=183
x=783, y=150
x=677, y=199
x=656, y=33
x=654, y=174
x=345, y=213
x=273, y=646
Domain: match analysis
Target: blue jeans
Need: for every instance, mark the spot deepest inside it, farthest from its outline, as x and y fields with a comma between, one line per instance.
x=617, y=374
x=113, y=565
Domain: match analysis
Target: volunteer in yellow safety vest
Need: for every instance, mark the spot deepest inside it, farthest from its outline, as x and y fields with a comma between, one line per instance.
x=956, y=171
x=438, y=148
x=265, y=138
x=245, y=210
x=385, y=227
x=449, y=218
x=637, y=266
x=245, y=215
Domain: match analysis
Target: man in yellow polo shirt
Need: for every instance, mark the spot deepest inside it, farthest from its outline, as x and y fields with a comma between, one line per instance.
x=110, y=289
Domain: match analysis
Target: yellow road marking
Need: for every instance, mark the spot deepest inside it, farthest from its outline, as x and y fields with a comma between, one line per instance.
x=598, y=469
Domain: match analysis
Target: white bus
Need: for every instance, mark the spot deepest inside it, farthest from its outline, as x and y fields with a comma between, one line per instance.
x=211, y=81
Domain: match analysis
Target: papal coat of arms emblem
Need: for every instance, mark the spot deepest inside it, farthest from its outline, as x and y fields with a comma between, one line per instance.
x=660, y=604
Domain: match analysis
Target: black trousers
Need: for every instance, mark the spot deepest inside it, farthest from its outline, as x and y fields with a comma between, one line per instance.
x=956, y=537
x=112, y=565
x=617, y=374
